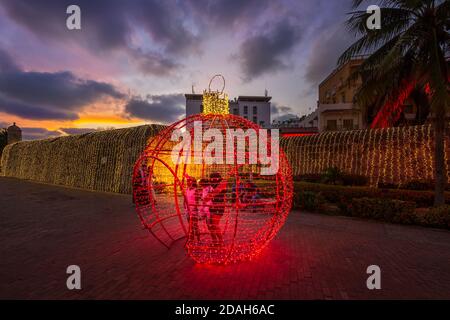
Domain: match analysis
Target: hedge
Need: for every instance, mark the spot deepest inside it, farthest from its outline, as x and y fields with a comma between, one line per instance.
x=337, y=194
x=101, y=161
x=391, y=156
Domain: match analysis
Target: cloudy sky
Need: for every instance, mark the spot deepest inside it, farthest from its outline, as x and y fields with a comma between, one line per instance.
x=133, y=60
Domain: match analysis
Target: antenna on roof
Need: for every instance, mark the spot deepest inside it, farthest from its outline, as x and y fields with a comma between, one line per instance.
x=266, y=93
x=193, y=91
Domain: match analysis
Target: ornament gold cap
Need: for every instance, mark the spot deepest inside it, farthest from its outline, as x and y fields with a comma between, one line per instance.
x=215, y=102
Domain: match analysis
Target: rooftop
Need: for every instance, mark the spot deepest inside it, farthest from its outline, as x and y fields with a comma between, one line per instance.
x=198, y=96
x=355, y=59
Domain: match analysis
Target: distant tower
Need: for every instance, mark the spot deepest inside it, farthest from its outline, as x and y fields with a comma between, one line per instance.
x=14, y=134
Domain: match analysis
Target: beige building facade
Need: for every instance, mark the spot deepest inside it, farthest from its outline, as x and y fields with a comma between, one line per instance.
x=336, y=109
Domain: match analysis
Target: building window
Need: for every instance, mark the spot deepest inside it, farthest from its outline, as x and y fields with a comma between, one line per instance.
x=261, y=123
x=255, y=119
x=236, y=111
x=332, y=125
x=348, y=124
x=343, y=98
x=201, y=108
x=255, y=109
x=246, y=117
x=245, y=109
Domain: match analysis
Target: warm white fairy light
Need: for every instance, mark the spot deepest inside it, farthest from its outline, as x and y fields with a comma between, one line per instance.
x=390, y=155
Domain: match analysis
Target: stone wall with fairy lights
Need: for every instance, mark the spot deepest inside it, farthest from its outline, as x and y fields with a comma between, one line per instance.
x=389, y=155
x=104, y=160
x=98, y=161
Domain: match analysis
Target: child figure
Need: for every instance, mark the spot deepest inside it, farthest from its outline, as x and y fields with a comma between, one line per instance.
x=191, y=208
x=217, y=197
x=206, y=188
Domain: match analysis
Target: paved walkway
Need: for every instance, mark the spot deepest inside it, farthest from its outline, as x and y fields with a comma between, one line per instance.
x=44, y=228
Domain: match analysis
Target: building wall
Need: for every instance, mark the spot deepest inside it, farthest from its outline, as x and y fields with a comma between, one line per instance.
x=262, y=115
x=340, y=115
x=237, y=107
x=193, y=104
x=311, y=120
x=336, y=89
x=336, y=92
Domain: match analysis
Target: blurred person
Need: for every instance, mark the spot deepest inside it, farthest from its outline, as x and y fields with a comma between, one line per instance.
x=192, y=208
x=217, y=207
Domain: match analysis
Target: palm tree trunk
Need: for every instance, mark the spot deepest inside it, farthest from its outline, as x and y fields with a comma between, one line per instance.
x=439, y=157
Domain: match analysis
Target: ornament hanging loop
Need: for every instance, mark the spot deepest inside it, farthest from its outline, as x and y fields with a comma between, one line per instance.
x=215, y=102
x=214, y=77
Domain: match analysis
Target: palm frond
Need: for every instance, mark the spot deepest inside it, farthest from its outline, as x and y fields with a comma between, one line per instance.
x=394, y=22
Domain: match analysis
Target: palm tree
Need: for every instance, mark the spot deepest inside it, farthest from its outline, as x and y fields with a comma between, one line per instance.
x=407, y=57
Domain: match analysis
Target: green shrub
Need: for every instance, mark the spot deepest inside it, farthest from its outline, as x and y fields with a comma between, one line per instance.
x=354, y=180
x=387, y=185
x=307, y=200
x=337, y=194
x=383, y=209
x=418, y=185
x=435, y=217
x=390, y=205
x=332, y=175
x=311, y=177
x=421, y=185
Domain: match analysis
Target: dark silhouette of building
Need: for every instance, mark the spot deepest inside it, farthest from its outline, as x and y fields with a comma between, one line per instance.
x=14, y=134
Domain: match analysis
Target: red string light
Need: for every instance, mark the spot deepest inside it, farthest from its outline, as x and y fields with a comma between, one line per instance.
x=227, y=212
x=392, y=109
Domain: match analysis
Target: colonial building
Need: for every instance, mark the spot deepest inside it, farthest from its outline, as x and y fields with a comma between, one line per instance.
x=253, y=108
x=336, y=110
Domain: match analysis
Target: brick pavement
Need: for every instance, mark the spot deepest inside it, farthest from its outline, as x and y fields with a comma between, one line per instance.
x=44, y=228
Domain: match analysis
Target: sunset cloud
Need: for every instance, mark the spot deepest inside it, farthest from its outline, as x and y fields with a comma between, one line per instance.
x=111, y=25
x=39, y=133
x=45, y=95
x=158, y=108
x=265, y=52
x=133, y=60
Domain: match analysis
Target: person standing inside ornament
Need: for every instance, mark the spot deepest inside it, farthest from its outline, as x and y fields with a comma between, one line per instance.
x=191, y=207
x=217, y=207
x=205, y=189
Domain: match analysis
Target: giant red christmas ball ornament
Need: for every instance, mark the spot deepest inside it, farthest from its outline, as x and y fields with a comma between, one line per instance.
x=196, y=180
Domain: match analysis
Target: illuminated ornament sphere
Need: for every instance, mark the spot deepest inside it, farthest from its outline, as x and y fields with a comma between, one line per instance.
x=216, y=180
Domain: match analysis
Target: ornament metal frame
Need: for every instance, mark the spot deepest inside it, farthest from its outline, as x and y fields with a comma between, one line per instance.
x=253, y=209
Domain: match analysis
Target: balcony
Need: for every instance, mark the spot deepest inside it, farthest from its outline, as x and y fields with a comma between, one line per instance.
x=342, y=128
x=330, y=107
